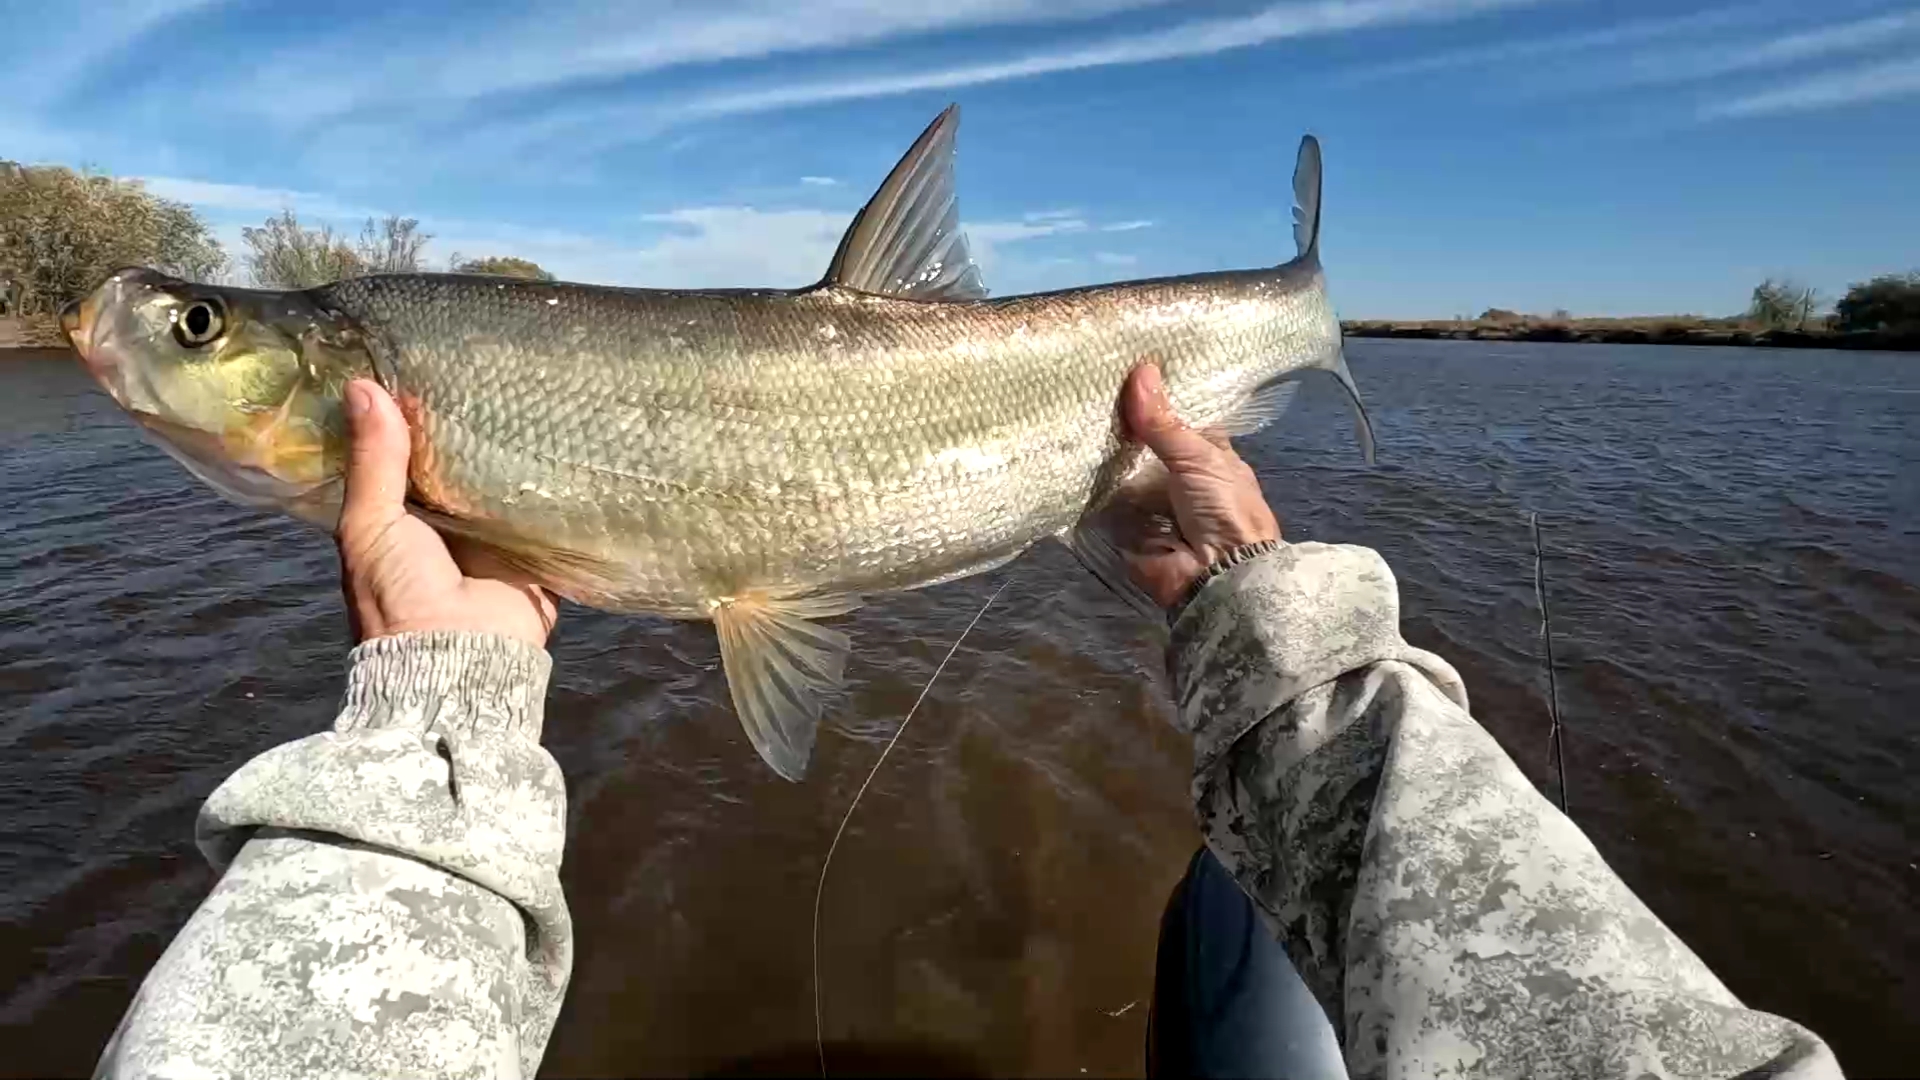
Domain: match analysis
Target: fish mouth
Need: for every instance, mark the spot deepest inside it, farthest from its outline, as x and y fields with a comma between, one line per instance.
x=91, y=339
x=80, y=325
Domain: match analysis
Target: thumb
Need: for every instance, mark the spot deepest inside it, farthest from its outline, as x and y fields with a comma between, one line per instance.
x=376, y=463
x=1150, y=419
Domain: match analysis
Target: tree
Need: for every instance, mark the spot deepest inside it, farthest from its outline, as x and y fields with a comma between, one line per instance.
x=502, y=265
x=62, y=232
x=284, y=254
x=1784, y=304
x=392, y=246
x=1889, y=303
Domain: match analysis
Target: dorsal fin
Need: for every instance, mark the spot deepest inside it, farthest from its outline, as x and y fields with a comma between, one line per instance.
x=1306, y=198
x=906, y=241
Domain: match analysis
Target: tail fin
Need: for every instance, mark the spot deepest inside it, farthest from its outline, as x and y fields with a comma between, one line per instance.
x=1306, y=236
x=1362, y=426
x=1306, y=199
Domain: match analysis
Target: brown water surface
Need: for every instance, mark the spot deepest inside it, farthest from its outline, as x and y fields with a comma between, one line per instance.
x=1734, y=570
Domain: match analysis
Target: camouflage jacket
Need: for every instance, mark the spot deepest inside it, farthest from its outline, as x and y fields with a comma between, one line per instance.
x=391, y=903
x=1449, y=919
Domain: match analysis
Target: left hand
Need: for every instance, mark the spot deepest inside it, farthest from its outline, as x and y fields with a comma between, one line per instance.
x=397, y=573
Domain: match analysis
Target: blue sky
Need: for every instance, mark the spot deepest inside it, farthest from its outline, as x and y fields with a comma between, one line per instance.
x=1604, y=156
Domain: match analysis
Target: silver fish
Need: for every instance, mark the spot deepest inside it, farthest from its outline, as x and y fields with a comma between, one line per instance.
x=761, y=458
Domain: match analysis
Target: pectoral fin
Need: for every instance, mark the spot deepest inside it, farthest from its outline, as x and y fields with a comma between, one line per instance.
x=1137, y=516
x=1262, y=408
x=780, y=665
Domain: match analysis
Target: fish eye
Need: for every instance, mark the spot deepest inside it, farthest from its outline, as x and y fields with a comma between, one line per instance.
x=199, y=323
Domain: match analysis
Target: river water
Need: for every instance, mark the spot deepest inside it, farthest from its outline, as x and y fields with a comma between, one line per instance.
x=1733, y=566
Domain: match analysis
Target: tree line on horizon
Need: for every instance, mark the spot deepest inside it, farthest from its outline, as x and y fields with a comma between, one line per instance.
x=62, y=231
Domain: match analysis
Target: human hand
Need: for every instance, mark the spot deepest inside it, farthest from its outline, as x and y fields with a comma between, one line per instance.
x=1211, y=495
x=397, y=573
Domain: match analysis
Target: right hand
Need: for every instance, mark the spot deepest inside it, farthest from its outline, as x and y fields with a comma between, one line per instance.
x=397, y=573
x=1213, y=496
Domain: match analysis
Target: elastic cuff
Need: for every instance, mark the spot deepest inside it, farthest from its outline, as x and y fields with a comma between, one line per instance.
x=470, y=682
x=1274, y=627
x=1234, y=557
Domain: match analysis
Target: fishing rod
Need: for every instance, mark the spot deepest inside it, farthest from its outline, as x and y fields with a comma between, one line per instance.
x=1556, y=744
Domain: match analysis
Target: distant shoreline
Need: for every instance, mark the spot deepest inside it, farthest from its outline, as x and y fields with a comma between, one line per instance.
x=1627, y=332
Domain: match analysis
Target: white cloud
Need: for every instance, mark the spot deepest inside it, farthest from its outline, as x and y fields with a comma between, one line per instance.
x=582, y=42
x=1201, y=37
x=230, y=198
x=1114, y=258
x=701, y=247
x=1127, y=226
x=726, y=246
x=1722, y=58
x=986, y=238
x=1876, y=82
x=63, y=45
x=715, y=246
x=1557, y=44
x=819, y=181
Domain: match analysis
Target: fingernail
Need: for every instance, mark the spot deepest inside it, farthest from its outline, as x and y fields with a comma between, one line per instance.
x=1158, y=385
x=358, y=399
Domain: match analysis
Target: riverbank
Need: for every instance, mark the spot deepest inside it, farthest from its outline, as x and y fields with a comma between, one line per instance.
x=31, y=335
x=1629, y=332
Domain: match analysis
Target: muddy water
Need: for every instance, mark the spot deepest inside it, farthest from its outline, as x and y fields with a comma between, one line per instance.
x=1734, y=568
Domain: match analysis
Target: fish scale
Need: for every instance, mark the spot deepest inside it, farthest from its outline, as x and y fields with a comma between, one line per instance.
x=762, y=458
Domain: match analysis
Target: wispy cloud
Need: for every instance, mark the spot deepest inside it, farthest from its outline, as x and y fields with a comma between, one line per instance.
x=64, y=46
x=1724, y=58
x=1127, y=226
x=1115, y=258
x=819, y=181
x=234, y=198
x=693, y=246
x=718, y=246
x=1556, y=45
x=585, y=42
x=1202, y=37
x=593, y=128
x=1875, y=82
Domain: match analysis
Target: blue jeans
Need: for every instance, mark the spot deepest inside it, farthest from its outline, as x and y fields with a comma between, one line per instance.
x=1226, y=1000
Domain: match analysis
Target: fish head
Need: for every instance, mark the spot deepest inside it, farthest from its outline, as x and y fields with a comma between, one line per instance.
x=244, y=387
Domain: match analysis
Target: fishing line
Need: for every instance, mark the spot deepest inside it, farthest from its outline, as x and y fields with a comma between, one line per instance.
x=1555, y=743
x=820, y=889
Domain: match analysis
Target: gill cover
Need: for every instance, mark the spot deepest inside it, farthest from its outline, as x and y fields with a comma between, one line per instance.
x=241, y=386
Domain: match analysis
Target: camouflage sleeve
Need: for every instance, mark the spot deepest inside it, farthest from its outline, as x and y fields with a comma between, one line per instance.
x=391, y=899
x=1448, y=918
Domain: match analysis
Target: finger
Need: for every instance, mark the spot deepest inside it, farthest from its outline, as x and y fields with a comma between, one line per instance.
x=1150, y=419
x=376, y=491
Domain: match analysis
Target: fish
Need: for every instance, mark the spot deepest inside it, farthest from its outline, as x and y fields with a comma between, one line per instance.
x=765, y=459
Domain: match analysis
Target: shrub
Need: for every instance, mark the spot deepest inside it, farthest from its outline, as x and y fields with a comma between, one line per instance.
x=62, y=231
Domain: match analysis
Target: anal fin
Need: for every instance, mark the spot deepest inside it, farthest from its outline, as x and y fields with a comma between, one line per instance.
x=780, y=666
